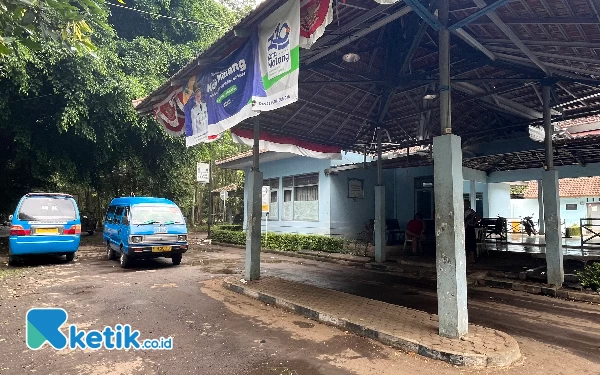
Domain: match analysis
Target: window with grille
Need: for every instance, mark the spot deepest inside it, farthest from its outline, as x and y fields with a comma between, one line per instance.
x=273, y=184
x=301, y=197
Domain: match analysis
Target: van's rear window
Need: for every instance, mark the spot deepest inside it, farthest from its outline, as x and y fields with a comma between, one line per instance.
x=47, y=208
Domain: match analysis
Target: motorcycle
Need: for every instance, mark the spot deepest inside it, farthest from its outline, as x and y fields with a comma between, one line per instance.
x=527, y=223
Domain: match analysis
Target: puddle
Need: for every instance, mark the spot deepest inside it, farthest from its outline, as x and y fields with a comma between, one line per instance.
x=303, y=324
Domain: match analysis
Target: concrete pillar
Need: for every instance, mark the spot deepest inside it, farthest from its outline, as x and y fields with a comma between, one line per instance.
x=380, y=224
x=379, y=206
x=550, y=193
x=450, y=236
x=253, y=229
x=473, y=195
x=554, y=251
x=254, y=212
x=541, y=226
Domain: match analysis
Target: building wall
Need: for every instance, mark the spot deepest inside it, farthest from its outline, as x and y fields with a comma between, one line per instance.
x=525, y=207
x=349, y=216
x=499, y=200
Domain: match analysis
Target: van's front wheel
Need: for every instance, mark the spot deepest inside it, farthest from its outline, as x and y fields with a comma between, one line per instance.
x=12, y=260
x=70, y=257
x=176, y=259
x=124, y=259
x=110, y=253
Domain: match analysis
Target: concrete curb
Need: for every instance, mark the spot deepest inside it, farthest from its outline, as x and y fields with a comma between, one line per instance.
x=539, y=288
x=506, y=358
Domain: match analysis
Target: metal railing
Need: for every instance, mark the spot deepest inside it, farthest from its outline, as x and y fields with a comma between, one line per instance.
x=590, y=230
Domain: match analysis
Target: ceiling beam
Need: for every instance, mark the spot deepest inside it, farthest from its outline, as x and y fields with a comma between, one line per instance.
x=548, y=43
x=359, y=34
x=543, y=21
x=467, y=38
x=571, y=94
x=512, y=36
x=478, y=14
x=499, y=101
x=573, y=69
x=550, y=55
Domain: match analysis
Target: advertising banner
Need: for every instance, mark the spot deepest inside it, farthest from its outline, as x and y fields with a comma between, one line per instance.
x=315, y=15
x=220, y=97
x=279, y=57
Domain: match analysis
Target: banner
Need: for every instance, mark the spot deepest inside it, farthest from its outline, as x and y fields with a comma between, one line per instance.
x=315, y=15
x=279, y=57
x=167, y=115
x=220, y=97
x=278, y=143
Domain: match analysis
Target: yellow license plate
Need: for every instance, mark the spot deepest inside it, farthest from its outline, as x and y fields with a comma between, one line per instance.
x=160, y=249
x=46, y=231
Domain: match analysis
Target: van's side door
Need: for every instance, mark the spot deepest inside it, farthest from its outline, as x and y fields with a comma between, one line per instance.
x=116, y=227
x=108, y=224
x=124, y=230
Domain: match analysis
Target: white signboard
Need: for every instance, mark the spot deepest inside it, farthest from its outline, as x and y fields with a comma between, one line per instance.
x=202, y=172
x=223, y=195
x=266, y=198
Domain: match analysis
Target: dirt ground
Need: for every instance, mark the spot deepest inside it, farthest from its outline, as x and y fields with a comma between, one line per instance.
x=216, y=331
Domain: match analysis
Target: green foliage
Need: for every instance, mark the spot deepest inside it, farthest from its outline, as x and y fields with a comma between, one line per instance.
x=228, y=236
x=33, y=23
x=590, y=276
x=283, y=242
x=67, y=122
x=230, y=227
x=575, y=230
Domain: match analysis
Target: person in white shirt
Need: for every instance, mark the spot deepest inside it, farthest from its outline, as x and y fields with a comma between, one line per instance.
x=199, y=116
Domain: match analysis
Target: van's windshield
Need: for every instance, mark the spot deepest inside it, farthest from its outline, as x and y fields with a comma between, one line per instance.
x=156, y=214
x=47, y=209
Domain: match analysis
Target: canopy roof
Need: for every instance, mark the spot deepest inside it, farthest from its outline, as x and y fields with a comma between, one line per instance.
x=498, y=62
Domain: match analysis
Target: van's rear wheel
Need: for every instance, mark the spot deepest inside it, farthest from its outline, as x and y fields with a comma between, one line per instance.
x=12, y=260
x=70, y=257
x=124, y=259
x=176, y=259
x=110, y=253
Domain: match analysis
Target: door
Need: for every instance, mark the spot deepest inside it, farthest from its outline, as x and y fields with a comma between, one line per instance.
x=115, y=233
x=124, y=227
x=425, y=203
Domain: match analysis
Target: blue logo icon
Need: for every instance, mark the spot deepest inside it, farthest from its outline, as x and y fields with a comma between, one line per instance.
x=280, y=38
x=43, y=325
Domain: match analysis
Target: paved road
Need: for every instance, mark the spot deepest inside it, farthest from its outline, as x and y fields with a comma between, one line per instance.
x=216, y=331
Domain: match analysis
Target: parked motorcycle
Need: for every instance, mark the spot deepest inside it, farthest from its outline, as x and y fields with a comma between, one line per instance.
x=527, y=223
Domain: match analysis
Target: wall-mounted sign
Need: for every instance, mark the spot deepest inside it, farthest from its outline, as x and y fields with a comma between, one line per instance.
x=572, y=207
x=266, y=195
x=356, y=188
x=202, y=172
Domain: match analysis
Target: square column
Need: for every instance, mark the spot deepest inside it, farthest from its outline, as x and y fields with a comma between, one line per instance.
x=450, y=236
x=554, y=252
x=253, y=229
x=541, y=226
x=473, y=195
x=380, y=224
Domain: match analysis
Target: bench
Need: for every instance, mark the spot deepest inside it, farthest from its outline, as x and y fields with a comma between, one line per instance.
x=494, y=229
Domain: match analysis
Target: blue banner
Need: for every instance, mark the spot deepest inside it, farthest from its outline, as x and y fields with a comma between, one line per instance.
x=220, y=97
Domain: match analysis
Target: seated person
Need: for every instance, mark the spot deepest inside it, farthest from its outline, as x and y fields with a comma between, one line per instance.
x=414, y=231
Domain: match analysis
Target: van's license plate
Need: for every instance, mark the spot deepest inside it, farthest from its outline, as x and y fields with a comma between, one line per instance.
x=46, y=230
x=160, y=249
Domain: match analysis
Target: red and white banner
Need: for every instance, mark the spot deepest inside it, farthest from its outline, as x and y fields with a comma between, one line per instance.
x=167, y=115
x=278, y=143
x=315, y=15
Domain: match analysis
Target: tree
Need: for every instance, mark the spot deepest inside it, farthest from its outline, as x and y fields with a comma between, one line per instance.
x=31, y=23
x=67, y=123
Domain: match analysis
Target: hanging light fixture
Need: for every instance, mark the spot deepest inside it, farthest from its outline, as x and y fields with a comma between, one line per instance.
x=429, y=94
x=351, y=57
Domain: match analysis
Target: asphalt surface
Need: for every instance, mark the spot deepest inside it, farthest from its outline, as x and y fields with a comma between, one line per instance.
x=216, y=331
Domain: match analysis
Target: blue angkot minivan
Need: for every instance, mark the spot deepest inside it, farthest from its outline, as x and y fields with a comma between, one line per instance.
x=144, y=227
x=44, y=223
